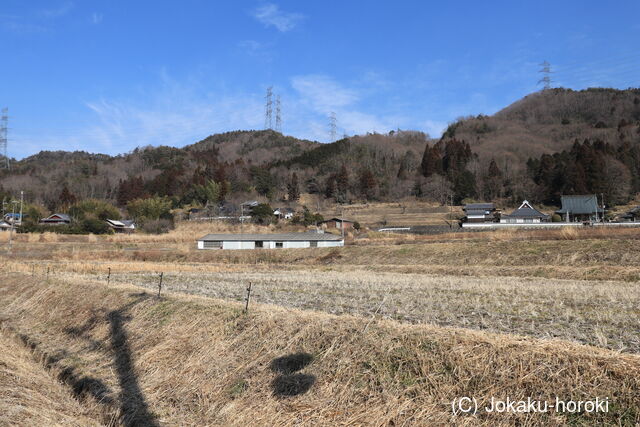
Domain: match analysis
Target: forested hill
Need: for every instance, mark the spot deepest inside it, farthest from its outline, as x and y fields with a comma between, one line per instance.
x=244, y=164
x=550, y=121
x=594, y=133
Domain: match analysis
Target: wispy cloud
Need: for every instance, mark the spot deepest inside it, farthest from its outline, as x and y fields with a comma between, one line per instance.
x=271, y=16
x=57, y=12
x=256, y=49
x=96, y=18
x=37, y=21
x=18, y=25
x=323, y=93
x=318, y=95
x=180, y=112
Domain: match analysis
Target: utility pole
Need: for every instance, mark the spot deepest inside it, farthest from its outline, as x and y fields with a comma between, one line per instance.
x=13, y=215
x=546, y=75
x=21, y=202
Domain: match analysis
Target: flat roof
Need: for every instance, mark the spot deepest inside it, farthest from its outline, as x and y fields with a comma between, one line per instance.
x=271, y=237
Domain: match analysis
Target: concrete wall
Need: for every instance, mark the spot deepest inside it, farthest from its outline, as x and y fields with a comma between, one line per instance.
x=238, y=245
x=330, y=244
x=519, y=221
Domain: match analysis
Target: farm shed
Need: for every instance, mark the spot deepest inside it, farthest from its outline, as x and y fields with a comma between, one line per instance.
x=338, y=223
x=580, y=208
x=269, y=241
x=525, y=214
x=480, y=212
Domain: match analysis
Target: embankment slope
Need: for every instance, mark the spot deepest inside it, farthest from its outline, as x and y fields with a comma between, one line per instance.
x=187, y=360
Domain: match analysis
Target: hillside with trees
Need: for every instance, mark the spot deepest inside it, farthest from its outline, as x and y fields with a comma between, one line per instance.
x=552, y=142
x=550, y=121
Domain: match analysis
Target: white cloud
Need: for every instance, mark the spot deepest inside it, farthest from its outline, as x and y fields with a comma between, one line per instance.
x=173, y=114
x=180, y=112
x=271, y=16
x=434, y=128
x=323, y=93
x=96, y=18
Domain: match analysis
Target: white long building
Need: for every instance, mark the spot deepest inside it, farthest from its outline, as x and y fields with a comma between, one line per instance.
x=269, y=241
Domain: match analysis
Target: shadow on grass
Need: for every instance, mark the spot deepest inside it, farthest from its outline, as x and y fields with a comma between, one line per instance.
x=134, y=410
x=289, y=383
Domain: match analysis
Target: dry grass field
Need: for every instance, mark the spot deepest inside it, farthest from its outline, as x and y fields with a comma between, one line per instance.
x=410, y=213
x=392, y=327
x=29, y=395
x=181, y=360
x=599, y=313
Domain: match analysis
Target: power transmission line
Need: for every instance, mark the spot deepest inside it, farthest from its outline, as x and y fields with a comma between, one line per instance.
x=4, y=141
x=333, y=126
x=278, y=115
x=546, y=73
x=268, y=109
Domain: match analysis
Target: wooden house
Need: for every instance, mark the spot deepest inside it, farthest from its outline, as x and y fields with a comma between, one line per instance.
x=525, y=214
x=56, y=219
x=481, y=213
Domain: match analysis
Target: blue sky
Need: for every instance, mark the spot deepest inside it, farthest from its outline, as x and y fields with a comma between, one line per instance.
x=110, y=76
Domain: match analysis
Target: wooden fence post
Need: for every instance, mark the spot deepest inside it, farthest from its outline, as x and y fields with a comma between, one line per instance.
x=246, y=305
x=160, y=285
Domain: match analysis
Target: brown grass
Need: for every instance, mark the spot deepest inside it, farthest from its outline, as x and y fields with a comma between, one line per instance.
x=188, y=361
x=604, y=314
x=30, y=396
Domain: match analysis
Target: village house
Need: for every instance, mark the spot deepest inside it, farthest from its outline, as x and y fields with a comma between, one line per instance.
x=632, y=215
x=481, y=213
x=269, y=241
x=338, y=223
x=525, y=214
x=127, y=226
x=56, y=219
x=284, y=213
x=14, y=218
x=580, y=208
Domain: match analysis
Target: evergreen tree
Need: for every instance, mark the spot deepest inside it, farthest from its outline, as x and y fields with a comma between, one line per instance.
x=367, y=184
x=293, y=188
x=66, y=198
x=431, y=161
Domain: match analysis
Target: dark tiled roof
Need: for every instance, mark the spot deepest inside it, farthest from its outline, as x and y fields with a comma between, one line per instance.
x=578, y=205
x=527, y=211
x=272, y=237
x=479, y=206
x=63, y=217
